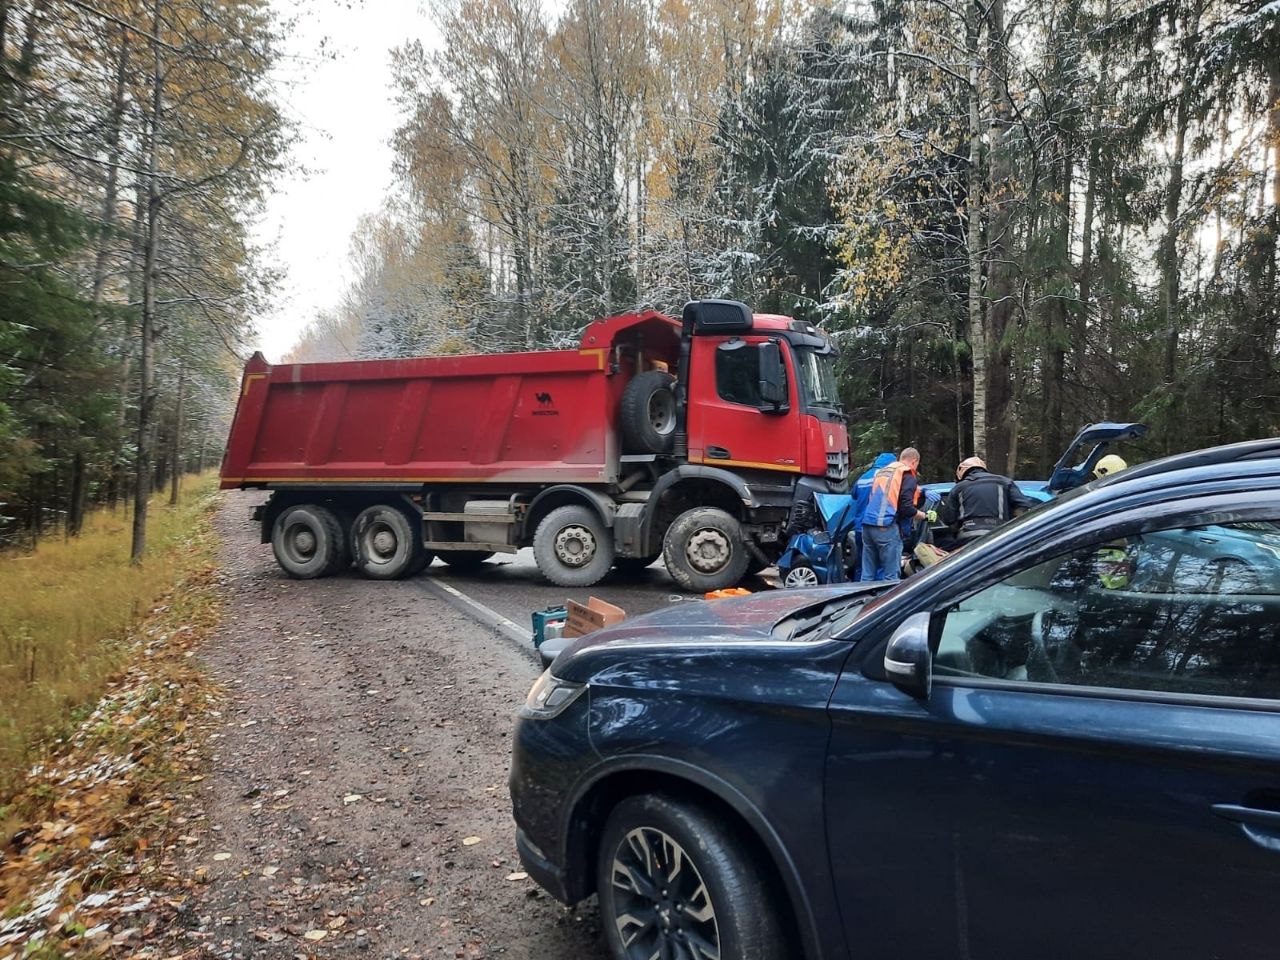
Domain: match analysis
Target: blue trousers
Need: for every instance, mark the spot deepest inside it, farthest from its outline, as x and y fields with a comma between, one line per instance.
x=881, y=553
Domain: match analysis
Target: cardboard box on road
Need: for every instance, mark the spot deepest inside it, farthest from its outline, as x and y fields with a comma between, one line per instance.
x=589, y=616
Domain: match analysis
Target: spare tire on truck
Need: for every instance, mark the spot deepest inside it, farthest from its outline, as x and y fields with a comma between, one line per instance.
x=387, y=543
x=309, y=542
x=647, y=414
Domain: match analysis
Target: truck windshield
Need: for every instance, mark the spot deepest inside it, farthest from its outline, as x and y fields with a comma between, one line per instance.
x=817, y=370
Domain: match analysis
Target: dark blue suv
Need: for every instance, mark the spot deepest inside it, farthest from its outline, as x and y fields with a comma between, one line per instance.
x=1063, y=741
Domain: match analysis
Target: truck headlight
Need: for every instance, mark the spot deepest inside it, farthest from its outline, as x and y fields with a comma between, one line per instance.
x=550, y=696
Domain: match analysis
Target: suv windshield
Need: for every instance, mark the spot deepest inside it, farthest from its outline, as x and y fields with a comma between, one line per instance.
x=817, y=370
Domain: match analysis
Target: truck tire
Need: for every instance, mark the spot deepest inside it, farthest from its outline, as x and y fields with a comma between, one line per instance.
x=573, y=547
x=464, y=559
x=308, y=542
x=704, y=550
x=386, y=543
x=647, y=414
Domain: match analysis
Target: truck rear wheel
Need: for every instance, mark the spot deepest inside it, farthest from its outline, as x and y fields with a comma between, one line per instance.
x=573, y=547
x=647, y=414
x=387, y=544
x=704, y=550
x=308, y=542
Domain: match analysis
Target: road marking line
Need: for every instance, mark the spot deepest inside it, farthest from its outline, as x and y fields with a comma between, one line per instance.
x=482, y=614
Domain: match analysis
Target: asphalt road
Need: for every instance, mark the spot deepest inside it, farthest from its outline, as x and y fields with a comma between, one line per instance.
x=512, y=587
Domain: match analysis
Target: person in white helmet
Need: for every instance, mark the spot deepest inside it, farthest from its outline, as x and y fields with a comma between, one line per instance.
x=980, y=501
x=1108, y=465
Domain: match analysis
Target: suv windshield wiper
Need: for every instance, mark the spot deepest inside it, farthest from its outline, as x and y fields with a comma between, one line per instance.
x=801, y=627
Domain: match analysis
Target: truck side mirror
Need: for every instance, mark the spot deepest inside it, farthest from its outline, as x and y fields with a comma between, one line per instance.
x=773, y=377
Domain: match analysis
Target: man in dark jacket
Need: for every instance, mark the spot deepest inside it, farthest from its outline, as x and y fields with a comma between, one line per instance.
x=980, y=501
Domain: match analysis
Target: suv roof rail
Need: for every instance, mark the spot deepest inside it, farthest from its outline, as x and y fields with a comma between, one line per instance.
x=1212, y=456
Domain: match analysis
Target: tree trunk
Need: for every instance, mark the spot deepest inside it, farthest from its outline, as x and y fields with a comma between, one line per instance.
x=176, y=466
x=973, y=237
x=200, y=449
x=1170, y=259
x=75, y=505
x=1085, y=286
x=1000, y=271
x=1056, y=320
x=109, y=194
x=146, y=398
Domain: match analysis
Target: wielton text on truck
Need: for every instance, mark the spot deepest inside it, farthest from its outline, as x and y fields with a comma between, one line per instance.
x=595, y=457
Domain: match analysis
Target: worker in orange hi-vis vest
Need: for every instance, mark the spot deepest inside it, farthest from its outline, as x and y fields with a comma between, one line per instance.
x=895, y=498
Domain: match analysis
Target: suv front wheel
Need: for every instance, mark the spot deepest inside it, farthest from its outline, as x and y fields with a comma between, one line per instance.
x=676, y=881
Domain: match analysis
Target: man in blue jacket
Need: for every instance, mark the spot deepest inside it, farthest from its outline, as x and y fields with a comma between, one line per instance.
x=861, y=492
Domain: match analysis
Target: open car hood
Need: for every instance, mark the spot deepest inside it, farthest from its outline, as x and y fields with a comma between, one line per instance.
x=1100, y=436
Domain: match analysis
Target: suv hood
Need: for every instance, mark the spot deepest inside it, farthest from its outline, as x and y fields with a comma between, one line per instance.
x=710, y=622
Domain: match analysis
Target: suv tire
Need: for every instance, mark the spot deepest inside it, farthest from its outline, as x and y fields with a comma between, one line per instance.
x=722, y=896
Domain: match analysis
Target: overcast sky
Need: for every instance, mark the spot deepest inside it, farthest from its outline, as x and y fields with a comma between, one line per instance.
x=343, y=105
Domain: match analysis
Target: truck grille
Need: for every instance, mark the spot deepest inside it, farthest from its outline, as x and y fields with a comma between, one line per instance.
x=837, y=466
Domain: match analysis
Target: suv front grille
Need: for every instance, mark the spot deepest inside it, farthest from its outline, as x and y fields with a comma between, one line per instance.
x=838, y=466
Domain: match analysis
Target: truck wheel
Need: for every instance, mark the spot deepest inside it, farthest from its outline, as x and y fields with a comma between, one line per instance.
x=386, y=544
x=308, y=542
x=573, y=547
x=648, y=413
x=464, y=559
x=704, y=551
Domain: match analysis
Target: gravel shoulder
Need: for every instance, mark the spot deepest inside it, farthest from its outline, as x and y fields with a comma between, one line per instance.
x=365, y=747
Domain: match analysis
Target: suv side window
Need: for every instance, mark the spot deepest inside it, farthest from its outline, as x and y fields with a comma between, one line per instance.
x=1194, y=610
x=738, y=373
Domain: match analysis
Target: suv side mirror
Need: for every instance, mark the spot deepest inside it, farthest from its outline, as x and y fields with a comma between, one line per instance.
x=550, y=649
x=908, y=660
x=773, y=377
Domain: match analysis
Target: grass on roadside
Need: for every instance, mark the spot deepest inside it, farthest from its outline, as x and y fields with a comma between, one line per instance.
x=66, y=611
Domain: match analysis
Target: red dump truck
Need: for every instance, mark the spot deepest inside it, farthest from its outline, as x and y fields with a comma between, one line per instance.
x=598, y=457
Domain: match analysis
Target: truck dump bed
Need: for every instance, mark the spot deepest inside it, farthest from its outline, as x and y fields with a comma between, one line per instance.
x=545, y=416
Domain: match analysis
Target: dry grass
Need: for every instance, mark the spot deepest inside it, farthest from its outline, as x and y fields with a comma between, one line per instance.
x=67, y=609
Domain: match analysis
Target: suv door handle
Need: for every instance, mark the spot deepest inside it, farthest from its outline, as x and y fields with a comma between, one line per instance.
x=717, y=453
x=1259, y=825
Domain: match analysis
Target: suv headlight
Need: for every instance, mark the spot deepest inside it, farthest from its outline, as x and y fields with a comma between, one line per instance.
x=550, y=696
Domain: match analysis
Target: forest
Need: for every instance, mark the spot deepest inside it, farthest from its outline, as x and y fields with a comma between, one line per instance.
x=1014, y=216
x=136, y=139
